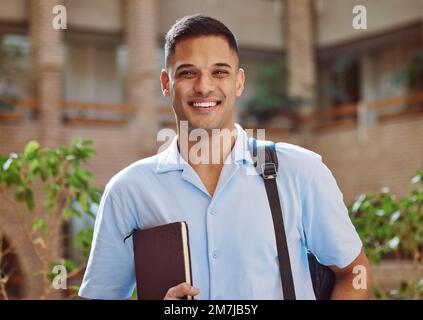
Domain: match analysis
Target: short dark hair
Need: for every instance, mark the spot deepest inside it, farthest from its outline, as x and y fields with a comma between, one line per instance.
x=195, y=26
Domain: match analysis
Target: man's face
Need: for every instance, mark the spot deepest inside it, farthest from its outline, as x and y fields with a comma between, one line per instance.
x=203, y=80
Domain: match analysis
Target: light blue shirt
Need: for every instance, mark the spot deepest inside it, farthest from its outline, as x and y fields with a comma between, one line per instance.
x=231, y=234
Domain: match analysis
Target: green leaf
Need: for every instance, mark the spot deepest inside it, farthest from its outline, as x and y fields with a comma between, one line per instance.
x=83, y=240
x=31, y=147
x=77, y=181
x=83, y=174
x=62, y=151
x=67, y=214
x=417, y=178
x=19, y=193
x=7, y=164
x=70, y=212
x=87, y=142
x=73, y=288
x=39, y=223
x=75, y=142
x=53, y=164
x=83, y=201
x=95, y=195
x=34, y=166
x=29, y=199
x=52, y=196
x=69, y=264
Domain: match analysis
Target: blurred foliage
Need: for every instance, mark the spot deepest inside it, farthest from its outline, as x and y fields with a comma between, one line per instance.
x=66, y=191
x=11, y=55
x=13, y=58
x=391, y=228
x=342, y=86
x=270, y=96
x=412, y=75
x=407, y=290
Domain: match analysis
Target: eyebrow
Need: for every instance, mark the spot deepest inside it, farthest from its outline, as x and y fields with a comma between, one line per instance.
x=185, y=65
x=222, y=64
x=188, y=65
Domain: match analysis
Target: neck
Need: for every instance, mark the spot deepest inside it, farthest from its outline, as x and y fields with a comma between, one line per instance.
x=206, y=147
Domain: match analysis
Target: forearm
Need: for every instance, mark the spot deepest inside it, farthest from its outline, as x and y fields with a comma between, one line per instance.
x=346, y=289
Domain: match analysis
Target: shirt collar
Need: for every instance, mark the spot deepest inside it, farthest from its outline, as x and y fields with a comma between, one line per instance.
x=240, y=152
x=171, y=160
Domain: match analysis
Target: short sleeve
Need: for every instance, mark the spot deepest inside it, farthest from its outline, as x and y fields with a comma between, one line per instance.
x=110, y=272
x=329, y=232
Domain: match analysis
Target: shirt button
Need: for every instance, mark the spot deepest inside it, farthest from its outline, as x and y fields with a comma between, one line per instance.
x=215, y=254
x=212, y=212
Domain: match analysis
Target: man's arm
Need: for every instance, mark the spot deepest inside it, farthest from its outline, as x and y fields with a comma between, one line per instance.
x=354, y=281
x=110, y=272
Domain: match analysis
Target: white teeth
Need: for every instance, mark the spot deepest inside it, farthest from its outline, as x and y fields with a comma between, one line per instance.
x=204, y=104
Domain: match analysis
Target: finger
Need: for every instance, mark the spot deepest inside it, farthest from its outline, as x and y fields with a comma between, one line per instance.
x=181, y=290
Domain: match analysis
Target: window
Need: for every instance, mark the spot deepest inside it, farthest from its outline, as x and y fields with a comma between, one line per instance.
x=15, y=53
x=94, y=72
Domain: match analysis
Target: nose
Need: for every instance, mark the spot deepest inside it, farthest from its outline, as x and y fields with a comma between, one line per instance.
x=203, y=85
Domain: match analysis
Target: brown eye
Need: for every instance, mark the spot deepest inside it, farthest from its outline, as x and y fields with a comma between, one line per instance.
x=221, y=73
x=187, y=74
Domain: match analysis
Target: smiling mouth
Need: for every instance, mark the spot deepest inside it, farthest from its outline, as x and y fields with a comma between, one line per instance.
x=205, y=105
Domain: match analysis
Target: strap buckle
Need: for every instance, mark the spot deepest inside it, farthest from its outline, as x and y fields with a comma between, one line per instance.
x=268, y=170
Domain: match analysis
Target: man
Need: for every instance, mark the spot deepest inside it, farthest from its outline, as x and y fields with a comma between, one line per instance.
x=232, y=239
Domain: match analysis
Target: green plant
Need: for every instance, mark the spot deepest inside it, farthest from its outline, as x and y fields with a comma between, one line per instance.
x=14, y=57
x=343, y=79
x=412, y=75
x=391, y=228
x=46, y=187
x=270, y=95
x=374, y=217
x=407, y=290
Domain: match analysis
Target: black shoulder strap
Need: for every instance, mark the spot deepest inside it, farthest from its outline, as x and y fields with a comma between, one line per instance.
x=266, y=163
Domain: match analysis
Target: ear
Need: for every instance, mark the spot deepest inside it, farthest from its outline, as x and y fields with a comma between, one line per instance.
x=240, y=80
x=164, y=80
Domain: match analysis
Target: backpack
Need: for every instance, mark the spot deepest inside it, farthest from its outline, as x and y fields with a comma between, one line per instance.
x=323, y=278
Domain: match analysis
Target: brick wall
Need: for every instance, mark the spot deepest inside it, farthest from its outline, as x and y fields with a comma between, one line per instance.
x=389, y=157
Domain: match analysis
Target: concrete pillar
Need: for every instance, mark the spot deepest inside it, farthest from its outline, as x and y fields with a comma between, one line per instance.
x=47, y=64
x=300, y=48
x=143, y=76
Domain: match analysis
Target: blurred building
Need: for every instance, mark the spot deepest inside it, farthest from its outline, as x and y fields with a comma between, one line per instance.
x=99, y=79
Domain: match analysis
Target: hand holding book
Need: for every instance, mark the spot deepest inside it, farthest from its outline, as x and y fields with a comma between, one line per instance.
x=181, y=291
x=163, y=262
